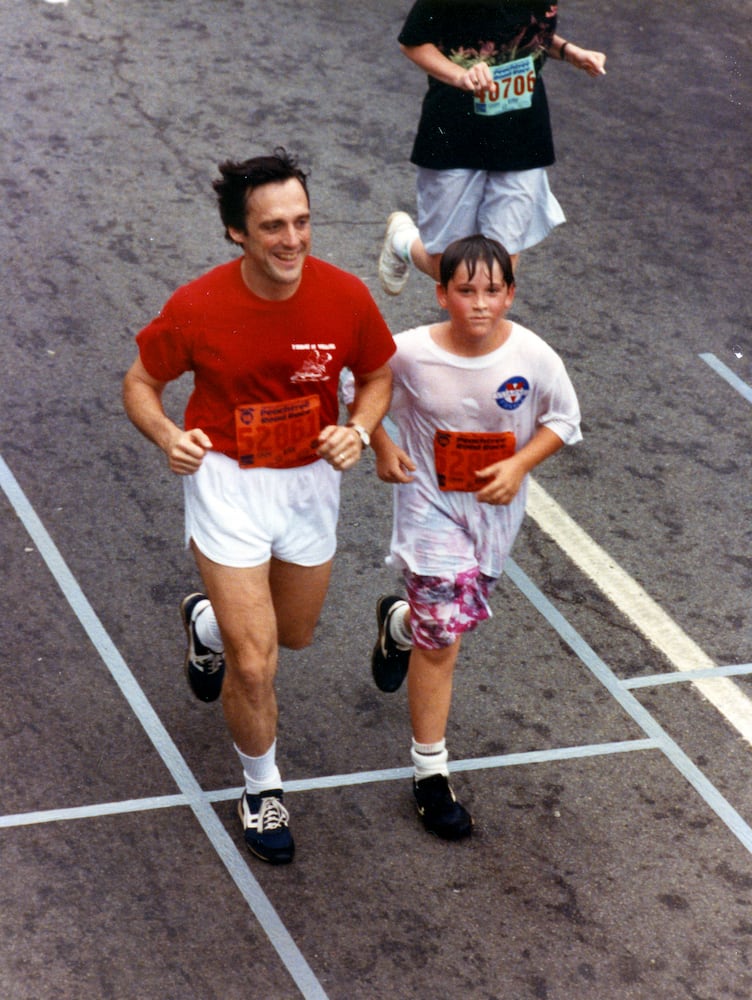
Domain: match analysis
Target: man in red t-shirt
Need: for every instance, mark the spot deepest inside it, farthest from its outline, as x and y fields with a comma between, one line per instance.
x=261, y=452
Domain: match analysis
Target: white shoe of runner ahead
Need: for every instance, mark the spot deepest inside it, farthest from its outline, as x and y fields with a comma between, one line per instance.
x=393, y=270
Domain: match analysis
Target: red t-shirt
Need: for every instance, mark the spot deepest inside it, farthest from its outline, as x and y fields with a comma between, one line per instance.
x=244, y=349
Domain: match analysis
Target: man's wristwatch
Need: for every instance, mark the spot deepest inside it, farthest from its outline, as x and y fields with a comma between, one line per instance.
x=365, y=437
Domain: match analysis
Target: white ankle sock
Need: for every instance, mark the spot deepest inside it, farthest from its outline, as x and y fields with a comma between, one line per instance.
x=399, y=628
x=402, y=240
x=260, y=773
x=207, y=629
x=429, y=759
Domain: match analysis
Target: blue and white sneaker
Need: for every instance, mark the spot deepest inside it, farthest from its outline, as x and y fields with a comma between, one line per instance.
x=266, y=825
x=204, y=669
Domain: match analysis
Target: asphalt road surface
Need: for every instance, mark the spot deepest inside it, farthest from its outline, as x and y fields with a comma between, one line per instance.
x=611, y=857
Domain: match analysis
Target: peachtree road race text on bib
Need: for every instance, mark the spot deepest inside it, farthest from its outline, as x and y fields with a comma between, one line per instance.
x=458, y=456
x=278, y=435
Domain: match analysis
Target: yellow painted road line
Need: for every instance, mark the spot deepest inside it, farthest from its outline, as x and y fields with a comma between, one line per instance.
x=636, y=604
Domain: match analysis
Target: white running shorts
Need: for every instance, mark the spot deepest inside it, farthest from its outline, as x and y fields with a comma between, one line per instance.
x=243, y=517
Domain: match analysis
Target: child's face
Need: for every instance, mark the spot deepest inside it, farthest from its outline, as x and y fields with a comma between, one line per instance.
x=476, y=305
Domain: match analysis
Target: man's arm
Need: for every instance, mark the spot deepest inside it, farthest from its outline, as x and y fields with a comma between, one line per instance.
x=142, y=399
x=340, y=445
x=373, y=394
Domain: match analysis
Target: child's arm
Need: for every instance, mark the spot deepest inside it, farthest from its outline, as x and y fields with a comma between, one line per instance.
x=593, y=63
x=393, y=465
x=505, y=477
x=432, y=61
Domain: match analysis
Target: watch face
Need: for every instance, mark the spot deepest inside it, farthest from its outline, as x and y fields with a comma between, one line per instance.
x=365, y=437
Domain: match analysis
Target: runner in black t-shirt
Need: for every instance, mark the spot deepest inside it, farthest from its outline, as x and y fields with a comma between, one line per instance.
x=484, y=137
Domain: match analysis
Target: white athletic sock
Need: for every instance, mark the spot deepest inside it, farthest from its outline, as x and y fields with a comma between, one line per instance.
x=429, y=759
x=260, y=773
x=207, y=629
x=399, y=627
x=403, y=239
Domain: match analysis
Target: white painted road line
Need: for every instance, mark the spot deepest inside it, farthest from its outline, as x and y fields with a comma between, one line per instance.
x=326, y=781
x=96, y=809
x=468, y=764
x=633, y=602
x=728, y=375
x=683, y=677
x=637, y=712
x=236, y=864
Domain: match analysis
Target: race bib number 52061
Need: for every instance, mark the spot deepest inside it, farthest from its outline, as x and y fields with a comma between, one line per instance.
x=278, y=435
x=459, y=456
x=511, y=89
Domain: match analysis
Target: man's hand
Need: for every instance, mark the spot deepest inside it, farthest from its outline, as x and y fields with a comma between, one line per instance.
x=340, y=446
x=186, y=451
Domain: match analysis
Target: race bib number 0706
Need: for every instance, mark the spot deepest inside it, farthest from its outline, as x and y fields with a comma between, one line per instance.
x=278, y=435
x=511, y=89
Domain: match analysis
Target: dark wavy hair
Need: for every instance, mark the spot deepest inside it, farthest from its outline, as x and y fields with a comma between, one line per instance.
x=471, y=251
x=239, y=180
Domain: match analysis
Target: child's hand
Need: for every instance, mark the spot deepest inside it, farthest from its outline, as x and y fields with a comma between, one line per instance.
x=393, y=465
x=504, y=481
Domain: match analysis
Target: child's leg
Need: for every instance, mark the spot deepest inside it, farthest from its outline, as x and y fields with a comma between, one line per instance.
x=429, y=691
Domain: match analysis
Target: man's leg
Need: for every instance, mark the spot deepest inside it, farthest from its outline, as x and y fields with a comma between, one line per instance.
x=258, y=609
x=298, y=593
x=242, y=603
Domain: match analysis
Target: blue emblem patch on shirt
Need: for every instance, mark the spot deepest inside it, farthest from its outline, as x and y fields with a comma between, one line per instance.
x=512, y=392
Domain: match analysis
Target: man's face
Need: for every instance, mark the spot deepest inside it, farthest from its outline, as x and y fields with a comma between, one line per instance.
x=277, y=238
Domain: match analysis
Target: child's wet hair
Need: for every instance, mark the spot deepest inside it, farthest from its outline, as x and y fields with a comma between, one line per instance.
x=471, y=251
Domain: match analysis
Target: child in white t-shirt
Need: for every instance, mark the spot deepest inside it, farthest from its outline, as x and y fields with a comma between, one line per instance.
x=478, y=401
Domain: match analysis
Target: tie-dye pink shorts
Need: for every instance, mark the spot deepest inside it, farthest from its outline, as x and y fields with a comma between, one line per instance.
x=443, y=607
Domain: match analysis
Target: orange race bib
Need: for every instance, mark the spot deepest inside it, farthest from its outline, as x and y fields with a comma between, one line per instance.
x=458, y=456
x=278, y=435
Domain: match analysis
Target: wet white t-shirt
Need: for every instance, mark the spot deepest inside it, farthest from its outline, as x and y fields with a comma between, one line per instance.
x=517, y=388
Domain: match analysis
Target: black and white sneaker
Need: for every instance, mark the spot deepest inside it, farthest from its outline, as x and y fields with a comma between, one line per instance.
x=439, y=809
x=204, y=668
x=266, y=825
x=389, y=661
